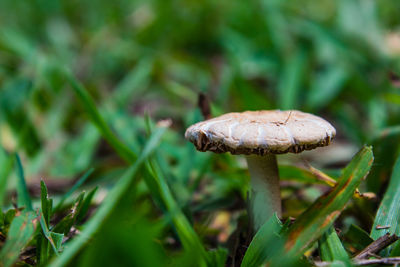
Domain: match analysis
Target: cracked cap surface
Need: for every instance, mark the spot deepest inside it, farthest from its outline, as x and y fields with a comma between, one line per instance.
x=261, y=132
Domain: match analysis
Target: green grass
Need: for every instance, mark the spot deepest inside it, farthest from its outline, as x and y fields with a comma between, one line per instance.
x=90, y=175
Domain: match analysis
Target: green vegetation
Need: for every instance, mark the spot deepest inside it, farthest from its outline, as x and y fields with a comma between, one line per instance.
x=95, y=97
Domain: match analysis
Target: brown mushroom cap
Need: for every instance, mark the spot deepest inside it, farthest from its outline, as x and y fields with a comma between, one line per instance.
x=261, y=132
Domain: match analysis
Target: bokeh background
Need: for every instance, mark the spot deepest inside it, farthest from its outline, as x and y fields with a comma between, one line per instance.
x=147, y=61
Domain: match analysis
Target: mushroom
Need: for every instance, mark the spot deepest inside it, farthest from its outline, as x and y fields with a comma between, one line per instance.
x=260, y=135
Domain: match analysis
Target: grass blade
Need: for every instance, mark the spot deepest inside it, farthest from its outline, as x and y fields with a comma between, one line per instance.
x=112, y=199
x=46, y=203
x=161, y=193
x=20, y=233
x=155, y=179
x=331, y=248
x=357, y=238
x=86, y=205
x=6, y=163
x=322, y=213
x=159, y=188
x=289, y=85
x=396, y=249
x=23, y=195
x=48, y=234
x=45, y=240
x=133, y=83
x=260, y=247
x=64, y=226
x=388, y=214
x=386, y=132
x=326, y=86
x=94, y=115
x=80, y=182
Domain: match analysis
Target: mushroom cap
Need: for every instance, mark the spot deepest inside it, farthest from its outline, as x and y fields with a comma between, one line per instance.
x=261, y=132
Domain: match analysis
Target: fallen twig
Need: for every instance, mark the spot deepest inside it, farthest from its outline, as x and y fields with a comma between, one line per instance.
x=364, y=262
x=387, y=261
x=376, y=246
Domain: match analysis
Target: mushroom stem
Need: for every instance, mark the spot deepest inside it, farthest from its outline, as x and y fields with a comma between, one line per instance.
x=265, y=196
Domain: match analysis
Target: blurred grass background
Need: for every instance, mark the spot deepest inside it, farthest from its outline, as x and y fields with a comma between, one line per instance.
x=146, y=61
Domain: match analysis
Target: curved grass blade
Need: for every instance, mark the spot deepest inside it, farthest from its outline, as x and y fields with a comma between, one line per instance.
x=23, y=195
x=387, y=218
x=108, y=205
x=322, y=213
x=265, y=238
x=88, y=103
x=155, y=181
